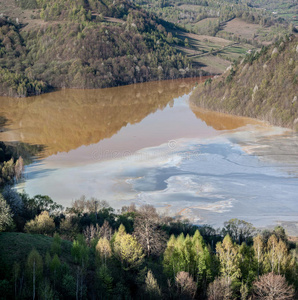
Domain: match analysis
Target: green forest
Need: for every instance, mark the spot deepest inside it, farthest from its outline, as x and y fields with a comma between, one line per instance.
x=256, y=85
x=78, y=48
x=91, y=251
x=45, y=45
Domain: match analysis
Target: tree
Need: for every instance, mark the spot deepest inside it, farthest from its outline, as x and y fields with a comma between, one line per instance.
x=219, y=289
x=56, y=244
x=281, y=256
x=229, y=259
x=91, y=232
x=151, y=286
x=13, y=199
x=239, y=230
x=79, y=252
x=19, y=168
x=258, y=246
x=146, y=231
x=203, y=261
x=271, y=251
x=273, y=287
x=16, y=273
x=127, y=250
x=103, y=250
x=55, y=266
x=185, y=284
x=42, y=224
x=34, y=269
x=5, y=215
x=105, y=283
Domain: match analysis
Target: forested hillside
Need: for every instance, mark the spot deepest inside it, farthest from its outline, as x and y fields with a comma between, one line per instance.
x=77, y=44
x=263, y=85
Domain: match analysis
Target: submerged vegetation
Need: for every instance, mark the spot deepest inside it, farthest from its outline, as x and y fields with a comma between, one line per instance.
x=263, y=85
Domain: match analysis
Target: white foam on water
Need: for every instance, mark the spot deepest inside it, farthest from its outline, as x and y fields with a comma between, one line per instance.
x=207, y=180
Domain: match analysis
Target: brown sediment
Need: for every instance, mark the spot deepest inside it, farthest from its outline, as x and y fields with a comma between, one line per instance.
x=67, y=119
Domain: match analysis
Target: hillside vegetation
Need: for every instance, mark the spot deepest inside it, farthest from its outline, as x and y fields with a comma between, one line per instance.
x=78, y=45
x=264, y=85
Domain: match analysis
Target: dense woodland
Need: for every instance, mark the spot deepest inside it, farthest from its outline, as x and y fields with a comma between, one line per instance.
x=79, y=49
x=97, y=44
x=263, y=85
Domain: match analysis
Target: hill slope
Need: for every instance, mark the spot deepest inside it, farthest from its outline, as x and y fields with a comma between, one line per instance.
x=84, y=44
x=264, y=85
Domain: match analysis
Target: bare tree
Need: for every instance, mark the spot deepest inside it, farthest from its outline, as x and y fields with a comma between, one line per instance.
x=186, y=285
x=106, y=230
x=147, y=232
x=239, y=230
x=219, y=289
x=91, y=232
x=271, y=287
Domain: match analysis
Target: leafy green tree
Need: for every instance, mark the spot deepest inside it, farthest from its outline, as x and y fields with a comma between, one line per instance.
x=56, y=244
x=16, y=274
x=79, y=252
x=271, y=252
x=34, y=269
x=127, y=250
x=151, y=286
x=258, y=246
x=189, y=254
x=248, y=264
x=229, y=259
x=103, y=250
x=105, y=282
x=55, y=267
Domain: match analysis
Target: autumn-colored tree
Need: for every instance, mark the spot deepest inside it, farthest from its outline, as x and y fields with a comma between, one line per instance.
x=273, y=287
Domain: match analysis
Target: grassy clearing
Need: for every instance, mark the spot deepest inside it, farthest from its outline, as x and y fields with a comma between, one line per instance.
x=15, y=246
x=242, y=29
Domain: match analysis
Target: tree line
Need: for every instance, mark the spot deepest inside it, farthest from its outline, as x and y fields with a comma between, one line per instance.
x=135, y=253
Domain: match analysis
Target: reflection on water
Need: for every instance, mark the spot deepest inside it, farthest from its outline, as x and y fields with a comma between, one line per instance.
x=149, y=144
x=68, y=119
x=220, y=121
